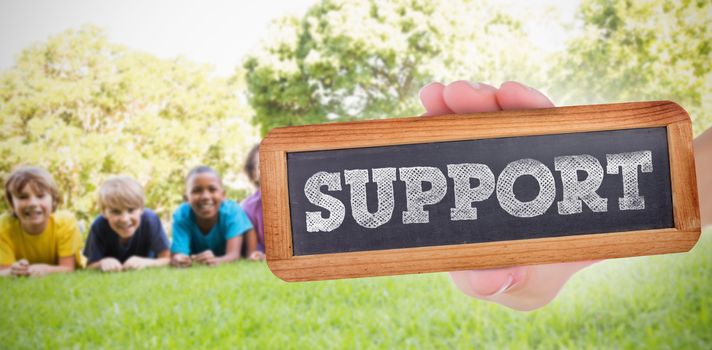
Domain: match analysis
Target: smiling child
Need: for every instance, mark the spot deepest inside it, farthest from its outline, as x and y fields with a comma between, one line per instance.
x=35, y=239
x=207, y=229
x=126, y=236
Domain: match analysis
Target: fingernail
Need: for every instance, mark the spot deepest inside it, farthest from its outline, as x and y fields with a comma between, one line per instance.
x=506, y=286
x=475, y=86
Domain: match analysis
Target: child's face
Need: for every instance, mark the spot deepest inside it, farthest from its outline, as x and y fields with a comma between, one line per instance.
x=32, y=206
x=124, y=221
x=205, y=194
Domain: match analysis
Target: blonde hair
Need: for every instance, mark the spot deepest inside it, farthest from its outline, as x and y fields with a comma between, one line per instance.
x=38, y=178
x=121, y=192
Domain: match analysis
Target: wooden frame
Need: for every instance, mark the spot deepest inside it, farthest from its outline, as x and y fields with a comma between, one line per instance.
x=562, y=120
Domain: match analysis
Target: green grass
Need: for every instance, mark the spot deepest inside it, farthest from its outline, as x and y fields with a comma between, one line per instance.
x=650, y=302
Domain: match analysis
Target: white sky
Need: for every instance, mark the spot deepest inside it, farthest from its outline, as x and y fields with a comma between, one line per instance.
x=219, y=32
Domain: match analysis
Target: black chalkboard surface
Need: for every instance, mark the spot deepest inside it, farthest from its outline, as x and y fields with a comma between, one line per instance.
x=485, y=190
x=493, y=223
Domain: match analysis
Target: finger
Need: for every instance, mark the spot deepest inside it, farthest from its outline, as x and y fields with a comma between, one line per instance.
x=20, y=272
x=487, y=283
x=546, y=282
x=431, y=96
x=466, y=97
x=514, y=95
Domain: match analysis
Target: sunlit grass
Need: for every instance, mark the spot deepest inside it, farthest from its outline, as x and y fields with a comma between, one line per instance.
x=648, y=302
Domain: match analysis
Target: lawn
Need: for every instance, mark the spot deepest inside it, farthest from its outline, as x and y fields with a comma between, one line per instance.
x=649, y=302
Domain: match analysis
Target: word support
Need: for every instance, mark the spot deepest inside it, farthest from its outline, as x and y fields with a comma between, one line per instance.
x=576, y=192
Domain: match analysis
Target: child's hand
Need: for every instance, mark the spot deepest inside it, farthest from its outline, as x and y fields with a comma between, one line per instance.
x=206, y=258
x=520, y=287
x=20, y=268
x=40, y=270
x=257, y=256
x=137, y=263
x=181, y=260
x=110, y=265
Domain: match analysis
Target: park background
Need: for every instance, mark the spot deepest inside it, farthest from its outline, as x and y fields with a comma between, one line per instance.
x=86, y=105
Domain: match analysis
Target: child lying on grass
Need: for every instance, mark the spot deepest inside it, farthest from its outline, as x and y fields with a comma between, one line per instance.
x=207, y=229
x=253, y=207
x=126, y=236
x=35, y=239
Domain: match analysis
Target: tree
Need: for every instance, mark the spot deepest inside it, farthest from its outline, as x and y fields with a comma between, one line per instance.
x=348, y=59
x=85, y=109
x=641, y=50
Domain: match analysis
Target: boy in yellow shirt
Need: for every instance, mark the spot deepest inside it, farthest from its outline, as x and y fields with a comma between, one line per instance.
x=34, y=239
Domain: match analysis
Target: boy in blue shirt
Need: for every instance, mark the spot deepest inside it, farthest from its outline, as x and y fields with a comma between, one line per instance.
x=207, y=229
x=126, y=235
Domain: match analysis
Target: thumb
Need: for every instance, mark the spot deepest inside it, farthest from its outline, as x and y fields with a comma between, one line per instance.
x=488, y=283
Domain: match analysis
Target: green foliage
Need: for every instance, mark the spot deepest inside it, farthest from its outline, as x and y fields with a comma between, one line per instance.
x=348, y=59
x=85, y=109
x=649, y=302
x=641, y=50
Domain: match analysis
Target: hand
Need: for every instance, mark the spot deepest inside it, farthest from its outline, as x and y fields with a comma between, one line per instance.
x=521, y=287
x=181, y=260
x=257, y=256
x=206, y=258
x=20, y=268
x=137, y=263
x=40, y=270
x=110, y=265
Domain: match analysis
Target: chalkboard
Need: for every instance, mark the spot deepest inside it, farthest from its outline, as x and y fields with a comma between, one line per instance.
x=485, y=190
x=492, y=222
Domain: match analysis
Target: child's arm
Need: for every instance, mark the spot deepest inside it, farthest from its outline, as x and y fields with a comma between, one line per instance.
x=5, y=270
x=237, y=224
x=232, y=253
x=252, y=252
x=159, y=243
x=232, y=250
x=138, y=262
x=163, y=258
x=703, y=164
x=107, y=264
x=65, y=264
